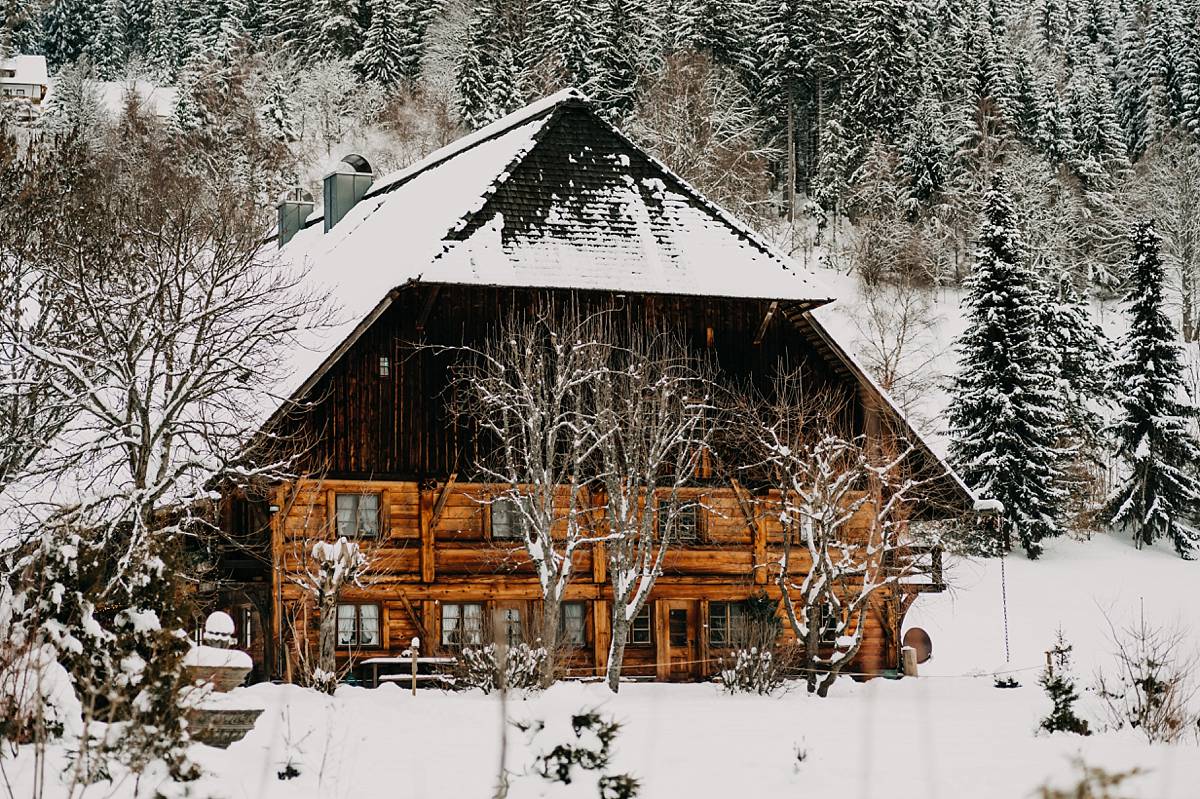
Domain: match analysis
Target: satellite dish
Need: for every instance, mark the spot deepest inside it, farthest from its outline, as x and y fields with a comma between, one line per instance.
x=921, y=643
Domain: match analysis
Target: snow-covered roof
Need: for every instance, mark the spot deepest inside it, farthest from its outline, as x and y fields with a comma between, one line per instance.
x=29, y=69
x=550, y=196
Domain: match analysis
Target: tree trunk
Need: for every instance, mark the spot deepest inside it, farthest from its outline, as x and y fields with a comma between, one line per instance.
x=616, y=648
x=327, y=651
x=551, y=612
x=791, y=162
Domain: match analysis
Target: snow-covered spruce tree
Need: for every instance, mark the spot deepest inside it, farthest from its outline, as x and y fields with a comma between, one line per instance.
x=68, y=27
x=1006, y=416
x=528, y=390
x=1085, y=358
x=485, y=73
x=382, y=57
x=1059, y=683
x=1157, y=499
x=615, y=79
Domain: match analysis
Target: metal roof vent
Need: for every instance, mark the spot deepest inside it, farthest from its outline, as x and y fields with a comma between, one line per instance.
x=294, y=207
x=345, y=186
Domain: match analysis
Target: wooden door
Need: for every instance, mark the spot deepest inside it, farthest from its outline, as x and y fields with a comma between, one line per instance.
x=677, y=637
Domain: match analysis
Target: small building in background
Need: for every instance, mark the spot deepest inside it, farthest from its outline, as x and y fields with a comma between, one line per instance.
x=24, y=77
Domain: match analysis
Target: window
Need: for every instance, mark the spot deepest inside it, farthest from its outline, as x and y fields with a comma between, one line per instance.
x=358, y=625
x=508, y=521
x=385, y=366
x=572, y=629
x=829, y=624
x=508, y=620
x=684, y=527
x=677, y=626
x=639, y=631
x=462, y=623
x=357, y=515
x=726, y=623
x=245, y=621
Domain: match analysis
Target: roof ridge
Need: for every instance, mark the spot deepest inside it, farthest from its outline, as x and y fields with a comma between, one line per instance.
x=493, y=130
x=738, y=226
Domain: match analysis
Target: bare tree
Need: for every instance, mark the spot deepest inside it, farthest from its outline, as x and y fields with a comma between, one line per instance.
x=529, y=389
x=843, y=507
x=655, y=417
x=160, y=333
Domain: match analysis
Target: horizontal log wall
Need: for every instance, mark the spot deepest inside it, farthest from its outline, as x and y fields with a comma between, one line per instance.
x=435, y=546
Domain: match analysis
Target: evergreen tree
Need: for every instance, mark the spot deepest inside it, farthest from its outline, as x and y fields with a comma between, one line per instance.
x=1159, y=496
x=70, y=25
x=883, y=64
x=1005, y=417
x=414, y=17
x=337, y=34
x=486, y=72
x=107, y=50
x=926, y=150
x=382, y=58
x=576, y=37
x=1059, y=683
x=614, y=79
x=720, y=28
x=277, y=113
x=20, y=26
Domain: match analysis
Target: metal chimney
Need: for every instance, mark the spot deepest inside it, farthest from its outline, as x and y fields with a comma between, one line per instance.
x=344, y=187
x=294, y=207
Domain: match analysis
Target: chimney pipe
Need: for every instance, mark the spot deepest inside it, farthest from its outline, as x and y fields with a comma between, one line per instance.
x=344, y=187
x=294, y=207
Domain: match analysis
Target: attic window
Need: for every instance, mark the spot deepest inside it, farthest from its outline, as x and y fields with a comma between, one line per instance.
x=385, y=366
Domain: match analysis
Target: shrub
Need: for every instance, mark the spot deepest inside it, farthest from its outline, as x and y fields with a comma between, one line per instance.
x=1059, y=684
x=491, y=667
x=1150, y=689
x=589, y=749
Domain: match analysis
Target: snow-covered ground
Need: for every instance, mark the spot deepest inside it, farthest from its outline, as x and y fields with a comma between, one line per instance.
x=941, y=735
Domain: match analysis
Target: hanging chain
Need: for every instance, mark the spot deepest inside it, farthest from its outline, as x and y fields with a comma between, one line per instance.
x=1004, y=607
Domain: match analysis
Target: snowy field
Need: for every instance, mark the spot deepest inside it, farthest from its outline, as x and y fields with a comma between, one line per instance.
x=945, y=734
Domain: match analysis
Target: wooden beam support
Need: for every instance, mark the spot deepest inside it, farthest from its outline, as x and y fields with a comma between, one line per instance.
x=440, y=504
x=758, y=536
x=424, y=514
x=427, y=307
x=426, y=638
x=762, y=329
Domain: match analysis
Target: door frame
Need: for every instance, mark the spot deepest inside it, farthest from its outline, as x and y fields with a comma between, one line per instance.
x=662, y=637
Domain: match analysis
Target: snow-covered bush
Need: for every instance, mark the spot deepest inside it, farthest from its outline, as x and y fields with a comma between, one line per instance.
x=1093, y=783
x=1059, y=682
x=565, y=756
x=753, y=670
x=491, y=668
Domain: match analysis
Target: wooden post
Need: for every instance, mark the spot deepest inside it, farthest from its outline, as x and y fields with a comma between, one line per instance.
x=910, y=661
x=424, y=513
x=415, y=650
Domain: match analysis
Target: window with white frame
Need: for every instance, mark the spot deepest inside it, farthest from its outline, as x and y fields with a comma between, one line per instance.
x=572, y=624
x=462, y=624
x=357, y=515
x=508, y=517
x=358, y=625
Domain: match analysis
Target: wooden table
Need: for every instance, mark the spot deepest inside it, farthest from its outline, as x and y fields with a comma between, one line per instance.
x=375, y=663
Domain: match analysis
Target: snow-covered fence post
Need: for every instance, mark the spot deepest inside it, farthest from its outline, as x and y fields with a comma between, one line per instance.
x=414, y=649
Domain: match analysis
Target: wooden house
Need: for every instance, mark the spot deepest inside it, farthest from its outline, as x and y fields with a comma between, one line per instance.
x=549, y=201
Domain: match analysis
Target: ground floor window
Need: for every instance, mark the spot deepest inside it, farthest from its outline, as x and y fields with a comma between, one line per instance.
x=726, y=623
x=358, y=625
x=571, y=624
x=639, y=630
x=462, y=624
